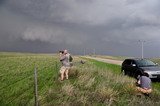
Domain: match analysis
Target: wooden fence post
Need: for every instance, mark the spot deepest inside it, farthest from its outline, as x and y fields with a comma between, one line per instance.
x=36, y=87
x=56, y=67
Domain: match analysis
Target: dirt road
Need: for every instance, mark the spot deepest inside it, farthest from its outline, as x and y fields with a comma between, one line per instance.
x=117, y=62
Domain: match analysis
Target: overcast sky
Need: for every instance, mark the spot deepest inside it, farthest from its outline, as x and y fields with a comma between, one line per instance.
x=111, y=27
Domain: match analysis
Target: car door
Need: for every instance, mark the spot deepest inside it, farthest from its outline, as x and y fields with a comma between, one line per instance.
x=133, y=68
x=127, y=67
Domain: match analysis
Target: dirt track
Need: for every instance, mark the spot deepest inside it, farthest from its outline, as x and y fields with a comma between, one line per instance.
x=117, y=62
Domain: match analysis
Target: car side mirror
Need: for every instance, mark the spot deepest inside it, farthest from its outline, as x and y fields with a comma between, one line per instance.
x=133, y=65
x=157, y=64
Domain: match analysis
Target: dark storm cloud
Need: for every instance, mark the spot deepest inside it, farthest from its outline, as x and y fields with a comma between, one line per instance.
x=109, y=26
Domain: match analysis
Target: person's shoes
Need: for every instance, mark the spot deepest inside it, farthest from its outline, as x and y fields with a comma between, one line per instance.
x=139, y=95
x=61, y=81
x=146, y=95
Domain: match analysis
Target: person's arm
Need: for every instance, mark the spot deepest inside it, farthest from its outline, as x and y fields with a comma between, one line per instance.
x=62, y=57
x=138, y=82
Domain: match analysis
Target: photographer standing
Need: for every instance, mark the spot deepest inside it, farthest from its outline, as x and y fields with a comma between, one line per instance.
x=65, y=60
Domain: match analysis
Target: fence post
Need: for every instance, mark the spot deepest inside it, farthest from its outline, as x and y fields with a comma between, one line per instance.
x=56, y=70
x=35, y=87
x=56, y=67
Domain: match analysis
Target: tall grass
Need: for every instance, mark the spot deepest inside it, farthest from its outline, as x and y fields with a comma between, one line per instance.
x=16, y=77
x=91, y=84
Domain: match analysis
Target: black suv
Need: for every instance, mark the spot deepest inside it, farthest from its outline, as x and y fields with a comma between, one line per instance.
x=136, y=67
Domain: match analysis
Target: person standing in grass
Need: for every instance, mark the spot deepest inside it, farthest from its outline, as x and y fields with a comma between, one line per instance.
x=144, y=84
x=65, y=60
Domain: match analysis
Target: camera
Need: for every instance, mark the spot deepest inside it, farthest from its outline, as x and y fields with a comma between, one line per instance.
x=61, y=52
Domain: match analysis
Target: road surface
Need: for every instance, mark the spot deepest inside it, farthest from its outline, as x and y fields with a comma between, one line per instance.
x=117, y=62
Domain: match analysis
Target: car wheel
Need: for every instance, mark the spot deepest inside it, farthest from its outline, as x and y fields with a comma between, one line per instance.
x=123, y=72
x=138, y=74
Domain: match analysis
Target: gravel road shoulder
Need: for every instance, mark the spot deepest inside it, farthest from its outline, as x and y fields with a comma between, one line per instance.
x=117, y=62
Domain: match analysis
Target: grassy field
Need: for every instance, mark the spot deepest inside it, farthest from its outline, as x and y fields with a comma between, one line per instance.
x=91, y=84
x=16, y=77
x=111, y=57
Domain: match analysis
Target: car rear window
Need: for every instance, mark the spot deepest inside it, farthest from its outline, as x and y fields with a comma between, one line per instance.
x=145, y=63
x=127, y=62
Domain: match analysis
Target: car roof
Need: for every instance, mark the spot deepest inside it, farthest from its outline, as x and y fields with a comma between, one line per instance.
x=135, y=59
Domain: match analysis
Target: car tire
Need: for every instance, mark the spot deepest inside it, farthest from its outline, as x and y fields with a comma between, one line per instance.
x=138, y=74
x=123, y=72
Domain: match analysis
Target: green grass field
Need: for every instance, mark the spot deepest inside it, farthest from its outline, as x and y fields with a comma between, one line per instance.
x=91, y=84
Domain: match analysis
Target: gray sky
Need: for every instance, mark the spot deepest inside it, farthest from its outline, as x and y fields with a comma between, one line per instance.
x=111, y=27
